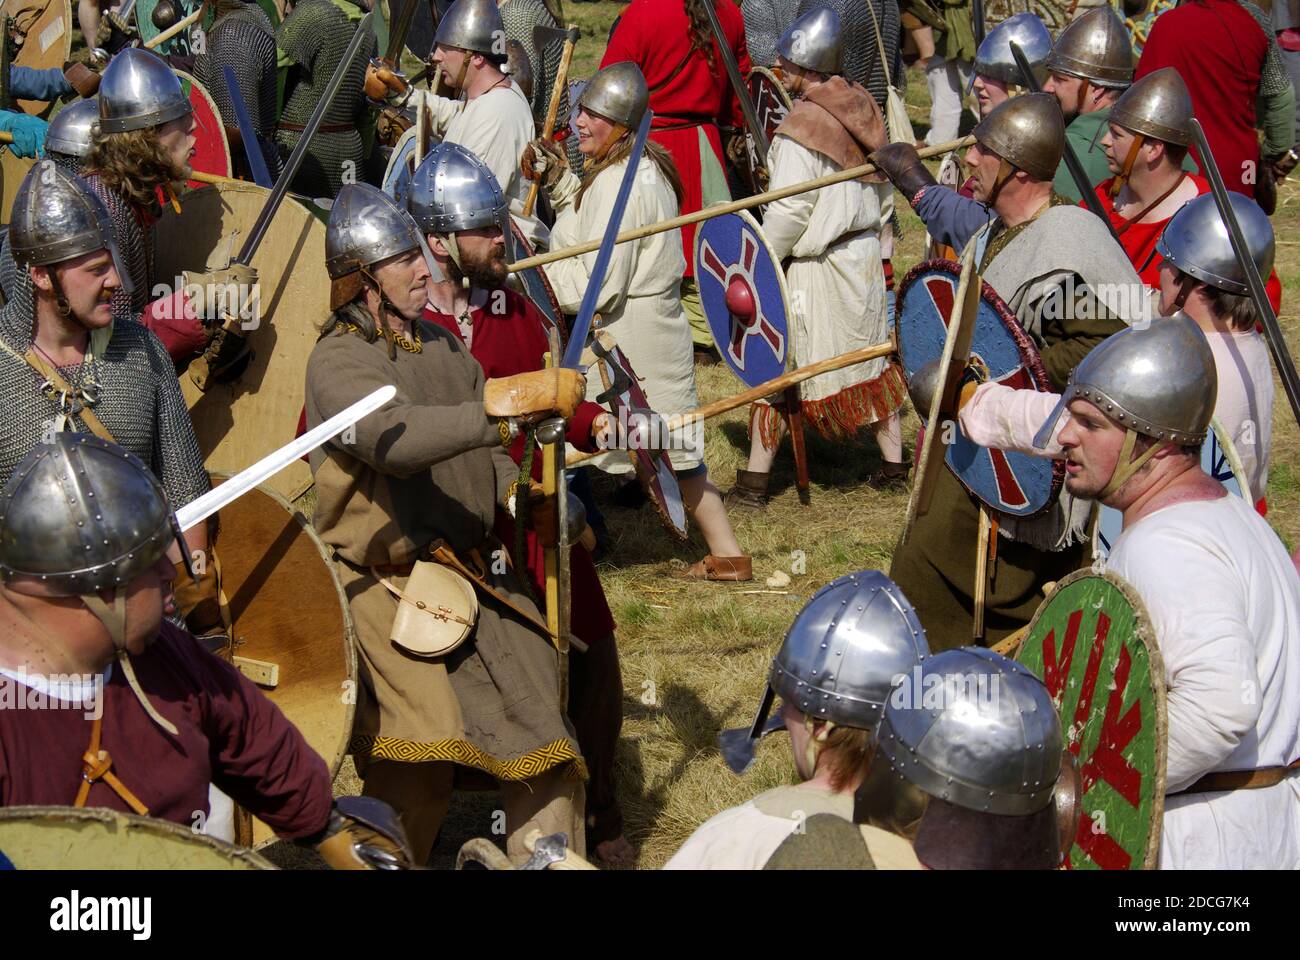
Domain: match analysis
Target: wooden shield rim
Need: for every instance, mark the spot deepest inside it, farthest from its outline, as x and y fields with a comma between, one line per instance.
x=349, y=627
x=1146, y=633
x=39, y=107
x=748, y=219
x=130, y=822
x=767, y=74
x=1028, y=352
x=648, y=477
x=212, y=105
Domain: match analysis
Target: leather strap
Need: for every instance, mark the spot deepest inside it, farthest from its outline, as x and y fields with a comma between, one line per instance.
x=1241, y=779
x=51, y=373
x=1129, y=221
x=96, y=765
x=681, y=65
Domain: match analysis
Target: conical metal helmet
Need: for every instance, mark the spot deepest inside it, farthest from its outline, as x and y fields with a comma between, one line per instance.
x=1097, y=47
x=473, y=25
x=72, y=131
x=1028, y=32
x=80, y=515
x=453, y=190
x=618, y=93
x=1028, y=132
x=139, y=90
x=814, y=41
x=1157, y=379
x=56, y=217
x=976, y=729
x=1196, y=241
x=365, y=227
x=1157, y=106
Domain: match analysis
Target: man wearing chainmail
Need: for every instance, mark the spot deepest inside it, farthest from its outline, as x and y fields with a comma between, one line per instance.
x=242, y=38
x=863, y=37
x=409, y=497
x=66, y=364
x=518, y=18
x=315, y=36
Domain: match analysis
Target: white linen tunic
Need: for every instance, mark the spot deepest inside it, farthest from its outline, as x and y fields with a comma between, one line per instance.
x=837, y=286
x=495, y=127
x=1224, y=600
x=640, y=300
x=1244, y=407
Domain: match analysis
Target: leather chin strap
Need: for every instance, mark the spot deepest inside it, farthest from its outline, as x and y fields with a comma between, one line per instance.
x=815, y=743
x=1126, y=467
x=454, y=250
x=1005, y=172
x=616, y=133
x=384, y=306
x=1083, y=93
x=1126, y=171
x=460, y=78
x=114, y=620
x=1185, y=288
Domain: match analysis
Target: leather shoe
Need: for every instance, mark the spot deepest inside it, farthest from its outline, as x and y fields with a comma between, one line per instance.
x=733, y=569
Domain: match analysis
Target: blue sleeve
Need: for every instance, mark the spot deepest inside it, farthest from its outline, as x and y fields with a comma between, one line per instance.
x=28, y=83
x=951, y=218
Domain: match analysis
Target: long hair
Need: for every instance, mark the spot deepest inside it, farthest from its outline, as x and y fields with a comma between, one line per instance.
x=701, y=33
x=621, y=150
x=133, y=165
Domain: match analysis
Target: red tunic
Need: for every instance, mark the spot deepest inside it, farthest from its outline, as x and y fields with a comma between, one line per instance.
x=686, y=95
x=1218, y=49
x=505, y=344
x=230, y=735
x=1139, y=241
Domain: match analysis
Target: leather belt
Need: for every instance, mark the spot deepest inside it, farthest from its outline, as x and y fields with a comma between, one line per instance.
x=324, y=128
x=1241, y=779
x=682, y=122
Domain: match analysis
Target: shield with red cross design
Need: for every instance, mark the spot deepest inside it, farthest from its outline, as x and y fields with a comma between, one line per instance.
x=1011, y=483
x=743, y=293
x=1092, y=644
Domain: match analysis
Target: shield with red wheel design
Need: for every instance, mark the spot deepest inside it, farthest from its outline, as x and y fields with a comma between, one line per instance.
x=742, y=290
x=1012, y=483
x=1092, y=644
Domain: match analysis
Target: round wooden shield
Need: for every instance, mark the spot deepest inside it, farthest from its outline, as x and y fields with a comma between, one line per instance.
x=211, y=148
x=92, y=838
x=240, y=421
x=179, y=44
x=1012, y=483
x=654, y=470
x=293, y=633
x=41, y=31
x=12, y=171
x=1219, y=458
x=1092, y=643
x=535, y=286
x=742, y=290
x=771, y=102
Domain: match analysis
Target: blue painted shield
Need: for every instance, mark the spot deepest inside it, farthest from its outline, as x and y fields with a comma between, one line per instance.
x=1011, y=483
x=1218, y=458
x=742, y=290
x=535, y=285
x=401, y=165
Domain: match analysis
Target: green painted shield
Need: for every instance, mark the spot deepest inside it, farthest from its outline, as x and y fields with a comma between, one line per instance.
x=179, y=44
x=1091, y=642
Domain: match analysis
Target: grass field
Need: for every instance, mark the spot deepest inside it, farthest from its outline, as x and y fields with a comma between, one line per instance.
x=694, y=657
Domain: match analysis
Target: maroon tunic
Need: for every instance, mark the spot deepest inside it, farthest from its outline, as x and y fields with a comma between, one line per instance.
x=514, y=342
x=230, y=735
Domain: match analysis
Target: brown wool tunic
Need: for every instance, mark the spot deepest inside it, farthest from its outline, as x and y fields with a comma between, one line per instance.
x=429, y=465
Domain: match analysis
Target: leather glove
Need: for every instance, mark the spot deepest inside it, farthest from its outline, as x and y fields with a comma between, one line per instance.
x=84, y=80
x=225, y=293
x=28, y=133
x=382, y=81
x=904, y=167
x=364, y=834
x=542, y=160
x=738, y=151
x=199, y=603
x=1284, y=164
x=537, y=393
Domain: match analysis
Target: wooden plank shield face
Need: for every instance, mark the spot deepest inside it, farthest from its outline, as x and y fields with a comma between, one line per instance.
x=289, y=610
x=12, y=171
x=771, y=102
x=72, y=838
x=1092, y=643
x=211, y=148
x=742, y=290
x=256, y=411
x=1011, y=483
x=42, y=32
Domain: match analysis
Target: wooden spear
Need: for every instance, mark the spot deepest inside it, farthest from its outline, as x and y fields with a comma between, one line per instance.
x=557, y=93
x=708, y=213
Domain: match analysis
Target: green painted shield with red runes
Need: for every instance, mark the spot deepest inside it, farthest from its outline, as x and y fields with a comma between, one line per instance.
x=1092, y=643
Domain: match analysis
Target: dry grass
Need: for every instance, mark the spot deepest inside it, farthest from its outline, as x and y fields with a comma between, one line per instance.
x=695, y=657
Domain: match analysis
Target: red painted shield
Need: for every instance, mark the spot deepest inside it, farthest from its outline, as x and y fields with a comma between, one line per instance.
x=211, y=149
x=1092, y=643
x=771, y=102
